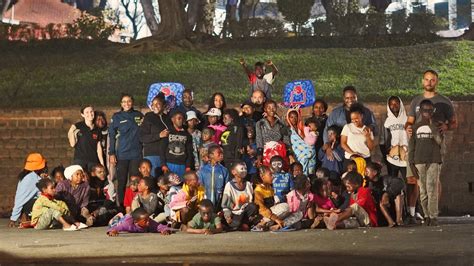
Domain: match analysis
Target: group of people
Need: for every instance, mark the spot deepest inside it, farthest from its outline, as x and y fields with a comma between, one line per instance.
x=253, y=169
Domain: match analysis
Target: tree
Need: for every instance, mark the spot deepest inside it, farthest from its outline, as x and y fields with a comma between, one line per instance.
x=297, y=12
x=135, y=16
x=150, y=16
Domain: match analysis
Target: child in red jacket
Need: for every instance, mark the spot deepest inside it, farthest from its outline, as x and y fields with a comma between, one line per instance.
x=362, y=206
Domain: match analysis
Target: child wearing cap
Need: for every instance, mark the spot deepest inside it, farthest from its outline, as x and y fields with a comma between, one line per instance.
x=193, y=122
x=75, y=192
x=213, y=119
x=177, y=156
x=26, y=191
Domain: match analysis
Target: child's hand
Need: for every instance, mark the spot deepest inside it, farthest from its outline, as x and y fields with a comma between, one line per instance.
x=165, y=232
x=113, y=233
x=367, y=132
x=269, y=62
x=334, y=195
x=165, y=169
x=208, y=232
x=409, y=130
x=242, y=61
x=336, y=210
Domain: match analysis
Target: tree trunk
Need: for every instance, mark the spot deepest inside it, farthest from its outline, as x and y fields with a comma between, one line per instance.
x=380, y=5
x=173, y=26
x=150, y=16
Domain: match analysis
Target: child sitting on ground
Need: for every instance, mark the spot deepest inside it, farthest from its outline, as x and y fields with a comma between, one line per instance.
x=138, y=222
x=46, y=210
x=100, y=206
x=58, y=174
x=205, y=221
x=184, y=205
x=311, y=131
x=324, y=206
x=207, y=134
x=296, y=169
x=145, y=198
x=265, y=200
x=239, y=210
x=213, y=176
x=282, y=181
x=362, y=206
x=130, y=193
x=387, y=192
x=300, y=200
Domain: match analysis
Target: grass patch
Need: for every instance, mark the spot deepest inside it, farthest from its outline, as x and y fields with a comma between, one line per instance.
x=60, y=76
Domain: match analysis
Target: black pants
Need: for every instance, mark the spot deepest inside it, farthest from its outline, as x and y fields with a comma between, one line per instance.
x=125, y=169
x=248, y=216
x=394, y=170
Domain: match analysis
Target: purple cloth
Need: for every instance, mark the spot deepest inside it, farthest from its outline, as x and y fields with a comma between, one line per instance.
x=127, y=225
x=78, y=197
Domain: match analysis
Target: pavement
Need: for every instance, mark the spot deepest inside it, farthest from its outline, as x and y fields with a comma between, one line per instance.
x=447, y=244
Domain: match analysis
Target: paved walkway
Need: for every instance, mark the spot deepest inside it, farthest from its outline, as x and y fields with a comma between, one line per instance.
x=442, y=245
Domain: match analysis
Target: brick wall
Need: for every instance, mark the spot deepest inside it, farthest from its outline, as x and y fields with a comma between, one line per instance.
x=45, y=130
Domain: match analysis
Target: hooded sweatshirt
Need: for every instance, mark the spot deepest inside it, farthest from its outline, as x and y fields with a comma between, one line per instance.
x=394, y=134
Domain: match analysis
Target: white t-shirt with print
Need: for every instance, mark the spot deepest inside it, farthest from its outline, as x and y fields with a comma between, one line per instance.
x=356, y=140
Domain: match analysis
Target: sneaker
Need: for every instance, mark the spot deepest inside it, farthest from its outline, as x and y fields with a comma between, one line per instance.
x=82, y=226
x=433, y=222
x=411, y=220
x=71, y=228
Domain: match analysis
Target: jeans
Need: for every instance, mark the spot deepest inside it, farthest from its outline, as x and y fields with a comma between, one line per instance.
x=155, y=164
x=125, y=168
x=178, y=169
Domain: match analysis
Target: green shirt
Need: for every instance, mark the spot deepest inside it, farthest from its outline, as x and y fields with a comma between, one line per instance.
x=198, y=223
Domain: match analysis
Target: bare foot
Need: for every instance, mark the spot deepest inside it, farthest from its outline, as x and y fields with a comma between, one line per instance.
x=331, y=221
x=316, y=222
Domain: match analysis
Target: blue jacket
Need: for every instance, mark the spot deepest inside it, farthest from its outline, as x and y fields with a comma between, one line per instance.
x=213, y=178
x=282, y=184
x=124, y=135
x=338, y=118
x=25, y=191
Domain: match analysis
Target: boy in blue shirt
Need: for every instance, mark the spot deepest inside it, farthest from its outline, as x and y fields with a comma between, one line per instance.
x=282, y=181
x=213, y=175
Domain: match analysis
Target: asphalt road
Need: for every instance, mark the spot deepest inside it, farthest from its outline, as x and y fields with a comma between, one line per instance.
x=450, y=244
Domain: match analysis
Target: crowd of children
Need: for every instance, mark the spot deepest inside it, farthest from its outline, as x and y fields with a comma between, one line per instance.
x=179, y=169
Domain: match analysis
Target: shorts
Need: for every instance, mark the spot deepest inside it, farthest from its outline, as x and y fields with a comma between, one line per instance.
x=361, y=215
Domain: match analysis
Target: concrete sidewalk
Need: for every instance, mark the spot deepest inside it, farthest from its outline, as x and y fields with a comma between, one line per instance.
x=442, y=245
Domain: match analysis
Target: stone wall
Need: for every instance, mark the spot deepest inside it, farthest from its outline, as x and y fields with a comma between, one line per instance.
x=45, y=130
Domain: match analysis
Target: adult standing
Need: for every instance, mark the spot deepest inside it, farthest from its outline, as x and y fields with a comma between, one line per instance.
x=125, y=149
x=444, y=116
x=340, y=116
x=153, y=130
x=85, y=138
